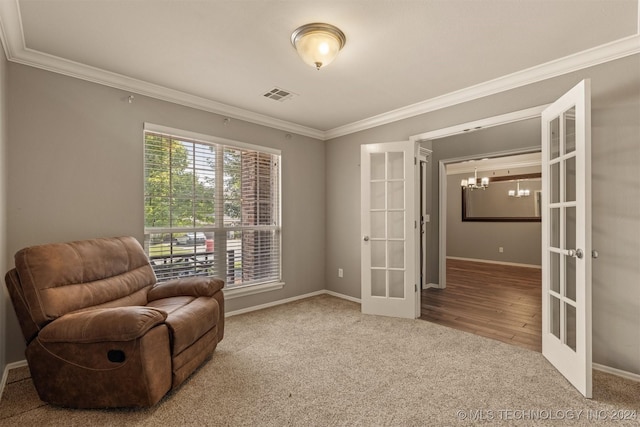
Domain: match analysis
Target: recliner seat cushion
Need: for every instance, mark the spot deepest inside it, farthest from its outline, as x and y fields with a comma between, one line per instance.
x=188, y=318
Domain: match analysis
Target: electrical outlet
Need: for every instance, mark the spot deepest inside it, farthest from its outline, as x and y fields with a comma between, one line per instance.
x=501, y=249
x=340, y=273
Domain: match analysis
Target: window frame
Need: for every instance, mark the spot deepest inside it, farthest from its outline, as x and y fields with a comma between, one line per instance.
x=179, y=134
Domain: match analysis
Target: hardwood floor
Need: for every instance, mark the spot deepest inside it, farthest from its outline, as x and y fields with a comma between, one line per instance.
x=496, y=301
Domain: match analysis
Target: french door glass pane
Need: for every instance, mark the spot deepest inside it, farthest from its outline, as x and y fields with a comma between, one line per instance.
x=570, y=278
x=554, y=227
x=396, y=284
x=570, y=326
x=378, y=225
x=378, y=283
x=555, y=272
x=396, y=225
x=555, y=315
x=570, y=228
x=377, y=166
x=570, y=262
x=378, y=250
x=395, y=168
x=377, y=195
x=395, y=198
x=570, y=179
x=396, y=254
x=555, y=138
x=555, y=183
x=570, y=130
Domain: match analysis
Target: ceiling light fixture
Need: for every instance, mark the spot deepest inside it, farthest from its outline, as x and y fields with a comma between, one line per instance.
x=519, y=192
x=473, y=183
x=318, y=43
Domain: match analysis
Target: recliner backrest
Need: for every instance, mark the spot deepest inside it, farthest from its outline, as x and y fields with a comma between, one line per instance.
x=58, y=278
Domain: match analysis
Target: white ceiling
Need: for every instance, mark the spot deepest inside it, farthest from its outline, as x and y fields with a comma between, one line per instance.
x=401, y=58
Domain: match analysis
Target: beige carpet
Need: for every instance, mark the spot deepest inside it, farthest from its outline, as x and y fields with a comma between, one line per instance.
x=320, y=362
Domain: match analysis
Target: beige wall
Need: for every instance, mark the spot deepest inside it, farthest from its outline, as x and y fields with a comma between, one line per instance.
x=616, y=231
x=616, y=209
x=75, y=159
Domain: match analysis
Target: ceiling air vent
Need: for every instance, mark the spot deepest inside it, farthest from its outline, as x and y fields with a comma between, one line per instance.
x=278, y=94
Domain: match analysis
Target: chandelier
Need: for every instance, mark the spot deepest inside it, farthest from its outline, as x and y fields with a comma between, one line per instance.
x=472, y=182
x=518, y=192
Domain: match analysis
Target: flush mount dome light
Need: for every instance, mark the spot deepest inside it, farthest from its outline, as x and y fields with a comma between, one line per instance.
x=318, y=43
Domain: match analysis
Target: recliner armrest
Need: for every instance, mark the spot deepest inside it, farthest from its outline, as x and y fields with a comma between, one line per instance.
x=195, y=286
x=104, y=324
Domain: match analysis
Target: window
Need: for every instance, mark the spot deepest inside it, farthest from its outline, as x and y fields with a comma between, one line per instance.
x=212, y=207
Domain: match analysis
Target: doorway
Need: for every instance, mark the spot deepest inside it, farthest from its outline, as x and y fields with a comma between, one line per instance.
x=500, y=299
x=566, y=234
x=493, y=260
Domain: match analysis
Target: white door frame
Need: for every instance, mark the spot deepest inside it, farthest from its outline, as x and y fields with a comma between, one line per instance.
x=503, y=119
x=424, y=157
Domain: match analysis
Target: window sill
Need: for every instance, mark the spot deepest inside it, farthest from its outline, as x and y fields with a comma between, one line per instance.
x=243, y=291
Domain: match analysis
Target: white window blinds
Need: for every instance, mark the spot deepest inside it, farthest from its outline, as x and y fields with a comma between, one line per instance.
x=211, y=208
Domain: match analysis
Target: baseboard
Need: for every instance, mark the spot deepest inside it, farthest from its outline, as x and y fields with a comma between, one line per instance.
x=616, y=372
x=287, y=300
x=273, y=304
x=5, y=374
x=430, y=285
x=490, y=261
x=343, y=296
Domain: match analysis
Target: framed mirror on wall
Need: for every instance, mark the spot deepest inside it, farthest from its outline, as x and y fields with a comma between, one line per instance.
x=512, y=198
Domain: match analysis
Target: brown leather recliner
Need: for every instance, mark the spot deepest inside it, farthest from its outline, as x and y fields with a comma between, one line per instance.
x=101, y=332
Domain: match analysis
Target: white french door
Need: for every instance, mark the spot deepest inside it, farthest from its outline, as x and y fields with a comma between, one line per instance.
x=389, y=243
x=566, y=236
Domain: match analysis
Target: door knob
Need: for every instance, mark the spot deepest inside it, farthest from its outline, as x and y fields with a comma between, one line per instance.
x=594, y=254
x=577, y=253
x=366, y=238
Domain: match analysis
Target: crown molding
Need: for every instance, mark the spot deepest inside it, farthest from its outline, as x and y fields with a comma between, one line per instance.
x=16, y=51
x=118, y=81
x=588, y=58
x=12, y=35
